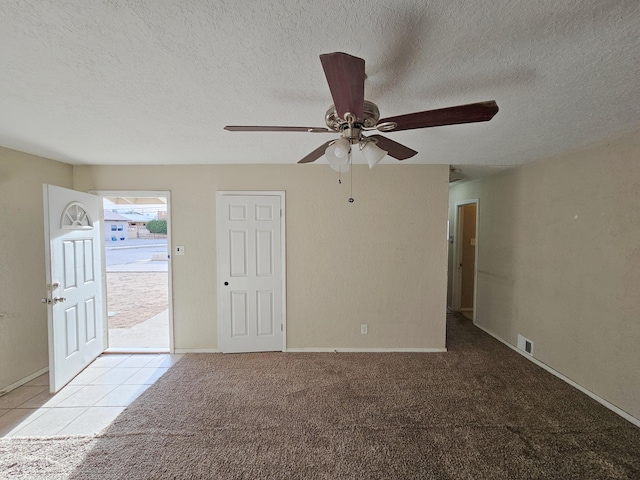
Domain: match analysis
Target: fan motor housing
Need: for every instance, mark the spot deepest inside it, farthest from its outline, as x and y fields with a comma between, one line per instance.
x=371, y=117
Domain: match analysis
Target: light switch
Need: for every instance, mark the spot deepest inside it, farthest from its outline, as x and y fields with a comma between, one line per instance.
x=180, y=250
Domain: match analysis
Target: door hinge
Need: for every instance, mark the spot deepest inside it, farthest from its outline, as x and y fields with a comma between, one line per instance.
x=281, y=328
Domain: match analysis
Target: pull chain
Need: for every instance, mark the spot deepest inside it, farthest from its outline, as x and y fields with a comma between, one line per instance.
x=351, y=199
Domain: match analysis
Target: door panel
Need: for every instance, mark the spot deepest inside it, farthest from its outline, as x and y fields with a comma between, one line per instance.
x=90, y=318
x=73, y=229
x=239, y=314
x=264, y=253
x=72, y=330
x=238, y=253
x=250, y=263
x=265, y=313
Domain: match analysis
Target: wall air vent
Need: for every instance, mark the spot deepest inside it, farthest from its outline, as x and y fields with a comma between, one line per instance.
x=525, y=345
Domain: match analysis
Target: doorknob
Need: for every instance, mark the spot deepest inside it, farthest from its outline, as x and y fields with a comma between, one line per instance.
x=226, y=283
x=53, y=300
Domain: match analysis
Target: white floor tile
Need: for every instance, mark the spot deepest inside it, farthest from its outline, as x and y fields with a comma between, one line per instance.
x=138, y=361
x=108, y=361
x=50, y=423
x=49, y=400
x=92, y=421
x=145, y=376
x=20, y=395
x=165, y=360
x=122, y=396
x=158, y=360
x=87, y=396
x=88, y=375
x=19, y=418
x=42, y=380
x=115, y=376
x=88, y=403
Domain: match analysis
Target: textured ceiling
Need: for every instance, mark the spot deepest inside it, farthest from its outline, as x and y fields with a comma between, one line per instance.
x=154, y=82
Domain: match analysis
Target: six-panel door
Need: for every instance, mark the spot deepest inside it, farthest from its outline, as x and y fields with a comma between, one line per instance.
x=73, y=231
x=250, y=273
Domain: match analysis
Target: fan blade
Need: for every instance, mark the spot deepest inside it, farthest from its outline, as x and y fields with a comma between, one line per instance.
x=394, y=149
x=316, y=154
x=243, y=128
x=473, y=112
x=345, y=76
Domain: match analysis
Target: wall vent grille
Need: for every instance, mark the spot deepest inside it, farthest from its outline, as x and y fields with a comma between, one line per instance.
x=525, y=345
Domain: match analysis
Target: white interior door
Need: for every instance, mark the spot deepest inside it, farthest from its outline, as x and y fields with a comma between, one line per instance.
x=73, y=232
x=250, y=273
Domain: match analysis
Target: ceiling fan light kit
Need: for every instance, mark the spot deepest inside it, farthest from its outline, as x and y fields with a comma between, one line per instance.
x=338, y=154
x=373, y=153
x=340, y=148
x=340, y=168
x=351, y=115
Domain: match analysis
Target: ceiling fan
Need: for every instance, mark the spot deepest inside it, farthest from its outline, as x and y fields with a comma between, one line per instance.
x=351, y=115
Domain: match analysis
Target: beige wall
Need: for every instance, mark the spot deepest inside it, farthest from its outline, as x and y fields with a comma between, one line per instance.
x=23, y=320
x=559, y=262
x=379, y=261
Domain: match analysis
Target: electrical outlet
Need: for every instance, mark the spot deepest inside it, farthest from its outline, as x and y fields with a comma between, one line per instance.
x=363, y=329
x=180, y=250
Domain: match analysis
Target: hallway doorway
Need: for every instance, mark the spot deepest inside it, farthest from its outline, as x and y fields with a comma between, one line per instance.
x=465, y=250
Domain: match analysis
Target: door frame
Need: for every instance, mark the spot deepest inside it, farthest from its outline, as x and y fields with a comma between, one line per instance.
x=283, y=254
x=141, y=193
x=457, y=255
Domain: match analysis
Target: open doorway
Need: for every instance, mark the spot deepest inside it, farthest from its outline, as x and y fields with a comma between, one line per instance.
x=137, y=247
x=465, y=255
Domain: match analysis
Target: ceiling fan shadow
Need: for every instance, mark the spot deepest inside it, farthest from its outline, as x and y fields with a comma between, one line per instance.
x=402, y=52
x=518, y=78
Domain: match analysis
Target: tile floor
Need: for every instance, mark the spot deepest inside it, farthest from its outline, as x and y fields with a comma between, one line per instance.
x=88, y=404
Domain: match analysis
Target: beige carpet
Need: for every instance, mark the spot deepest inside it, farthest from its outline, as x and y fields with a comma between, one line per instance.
x=477, y=411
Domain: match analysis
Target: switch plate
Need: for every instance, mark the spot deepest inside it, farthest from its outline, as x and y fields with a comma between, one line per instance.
x=180, y=250
x=363, y=329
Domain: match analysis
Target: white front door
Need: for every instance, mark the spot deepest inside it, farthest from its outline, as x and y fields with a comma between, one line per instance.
x=73, y=232
x=250, y=272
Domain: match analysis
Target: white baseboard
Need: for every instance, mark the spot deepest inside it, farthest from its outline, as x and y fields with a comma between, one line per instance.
x=22, y=381
x=364, y=350
x=327, y=350
x=196, y=350
x=597, y=398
